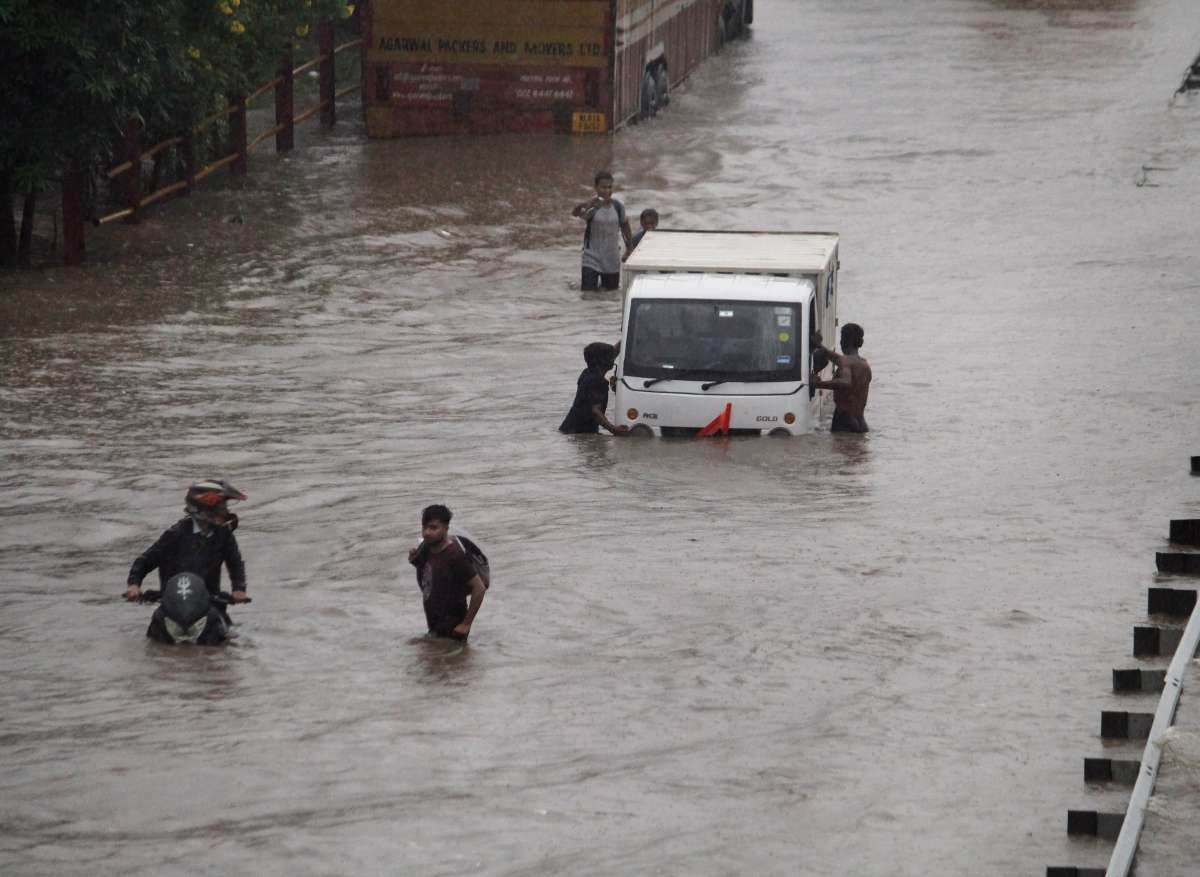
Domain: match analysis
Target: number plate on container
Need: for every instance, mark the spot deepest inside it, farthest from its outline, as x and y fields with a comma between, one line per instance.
x=588, y=123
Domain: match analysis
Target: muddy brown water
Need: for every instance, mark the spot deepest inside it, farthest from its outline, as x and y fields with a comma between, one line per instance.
x=828, y=655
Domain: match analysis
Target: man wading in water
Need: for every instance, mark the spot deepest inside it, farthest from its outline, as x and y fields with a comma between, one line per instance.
x=606, y=227
x=591, y=394
x=447, y=576
x=850, y=384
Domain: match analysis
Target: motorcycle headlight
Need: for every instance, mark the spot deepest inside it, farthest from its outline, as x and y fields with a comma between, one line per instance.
x=182, y=634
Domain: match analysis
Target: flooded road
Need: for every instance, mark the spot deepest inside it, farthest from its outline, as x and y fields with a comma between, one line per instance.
x=880, y=655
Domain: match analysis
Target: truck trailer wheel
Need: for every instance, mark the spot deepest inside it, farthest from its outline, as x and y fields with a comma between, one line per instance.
x=649, y=96
x=662, y=86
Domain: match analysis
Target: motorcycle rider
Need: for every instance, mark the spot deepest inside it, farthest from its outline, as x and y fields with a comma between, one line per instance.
x=198, y=543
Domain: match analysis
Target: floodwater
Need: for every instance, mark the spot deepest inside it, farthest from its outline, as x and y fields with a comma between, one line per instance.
x=832, y=655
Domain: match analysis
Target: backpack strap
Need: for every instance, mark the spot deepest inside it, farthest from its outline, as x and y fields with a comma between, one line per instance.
x=587, y=229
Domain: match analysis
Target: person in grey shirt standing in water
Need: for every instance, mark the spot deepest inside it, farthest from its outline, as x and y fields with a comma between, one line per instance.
x=606, y=227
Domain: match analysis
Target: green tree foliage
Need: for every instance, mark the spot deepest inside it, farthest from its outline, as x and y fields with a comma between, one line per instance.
x=75, y=72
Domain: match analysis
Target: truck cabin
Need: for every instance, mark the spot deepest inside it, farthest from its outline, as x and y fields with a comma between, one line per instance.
x=713, y=328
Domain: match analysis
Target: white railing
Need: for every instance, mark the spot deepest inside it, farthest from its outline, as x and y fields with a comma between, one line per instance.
x=1135, y=815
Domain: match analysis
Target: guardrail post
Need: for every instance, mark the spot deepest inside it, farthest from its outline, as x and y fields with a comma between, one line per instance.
x=237, y=134
x=189, y=159
x=328, y=91
x=285, y=137
x=131, y=186
x=72, y=211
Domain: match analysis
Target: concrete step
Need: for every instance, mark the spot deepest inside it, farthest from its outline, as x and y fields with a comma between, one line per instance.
x=1094, y=822
x=1121, y=771
x=1151, y=640
x=1121, y=725
x=1136, y=679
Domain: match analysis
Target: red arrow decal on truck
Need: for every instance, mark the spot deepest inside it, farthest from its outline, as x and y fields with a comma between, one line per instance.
x=720, y=423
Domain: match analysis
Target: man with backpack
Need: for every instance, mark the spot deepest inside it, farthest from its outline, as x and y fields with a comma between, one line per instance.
x=449, y=570
x=606, y=226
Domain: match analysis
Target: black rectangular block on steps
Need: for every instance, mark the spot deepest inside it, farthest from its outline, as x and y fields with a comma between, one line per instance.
x=1138, y=680
x=1117, y=725
x=1072, y=871
x=1154, y=680
x=1154, y=640
x=1127, y=680
x=1185, y=531
x=1111, y=770
x=1097, y=770
x=1178, y=562
x=1114, y=725
x=1106, y=825
x=1177, y=602
x=1125, y=771
x=1082, y=821
x=1146, y=641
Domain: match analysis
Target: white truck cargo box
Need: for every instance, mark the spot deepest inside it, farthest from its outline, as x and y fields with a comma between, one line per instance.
x=717, y=330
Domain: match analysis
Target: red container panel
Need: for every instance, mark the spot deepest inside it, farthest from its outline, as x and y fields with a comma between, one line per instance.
x=488, y=66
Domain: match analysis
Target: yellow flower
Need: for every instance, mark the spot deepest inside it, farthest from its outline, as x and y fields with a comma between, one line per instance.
x=348, y=11
x=193, y=53
x=226, y=8
x=302, y=30
x=236, y=3
x=237, y=27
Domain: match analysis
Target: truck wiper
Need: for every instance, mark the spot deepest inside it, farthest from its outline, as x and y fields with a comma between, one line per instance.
x=741, y=378
x=679, y=376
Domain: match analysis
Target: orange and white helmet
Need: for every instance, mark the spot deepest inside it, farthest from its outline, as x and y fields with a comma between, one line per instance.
x=208, y=501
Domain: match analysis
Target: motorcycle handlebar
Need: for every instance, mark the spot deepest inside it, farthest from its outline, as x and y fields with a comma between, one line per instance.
x=152, y=595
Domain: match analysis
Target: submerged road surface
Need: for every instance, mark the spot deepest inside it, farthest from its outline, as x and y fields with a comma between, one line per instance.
x=832, y=655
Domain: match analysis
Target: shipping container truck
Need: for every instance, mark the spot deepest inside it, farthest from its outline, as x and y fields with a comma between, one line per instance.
x=717, y=332
x=571, y=66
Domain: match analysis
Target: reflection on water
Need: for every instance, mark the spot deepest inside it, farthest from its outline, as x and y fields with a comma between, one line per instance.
x=723, y=656
x=594, y=451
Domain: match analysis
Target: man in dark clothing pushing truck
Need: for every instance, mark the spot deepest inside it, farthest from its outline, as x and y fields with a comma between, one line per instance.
x=591, y=393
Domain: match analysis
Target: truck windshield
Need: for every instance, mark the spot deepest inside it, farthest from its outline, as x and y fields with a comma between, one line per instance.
x=708, y=339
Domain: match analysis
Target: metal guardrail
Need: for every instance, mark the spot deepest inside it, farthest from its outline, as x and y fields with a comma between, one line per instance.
x=237, y=108
x=1121, y=862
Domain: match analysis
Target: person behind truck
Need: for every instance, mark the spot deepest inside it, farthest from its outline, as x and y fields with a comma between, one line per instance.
x=606, y=226
x=851, y=382
x=820, y=356
x=649, y=222
x=591, y=393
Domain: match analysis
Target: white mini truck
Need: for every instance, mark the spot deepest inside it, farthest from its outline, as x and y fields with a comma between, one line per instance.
x=716, y=332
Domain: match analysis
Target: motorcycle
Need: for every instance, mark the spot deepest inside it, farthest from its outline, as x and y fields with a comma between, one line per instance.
x=188, y=613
